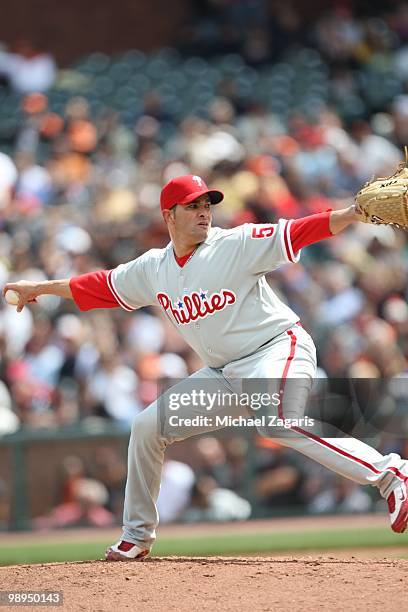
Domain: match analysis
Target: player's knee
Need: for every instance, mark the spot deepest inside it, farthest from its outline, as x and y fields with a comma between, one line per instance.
x=145, y=425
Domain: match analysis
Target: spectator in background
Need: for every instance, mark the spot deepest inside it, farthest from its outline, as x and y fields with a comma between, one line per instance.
x=72, y=470
x=224, y=459
x=212, y=460
x=113, y=390
x=210, y=502
x=87, y=509
x=175, y=490
x=279, y=479
x=27, y=69
x=341, y=498
x=109, y=468
x=9, y=421
x=8, y=179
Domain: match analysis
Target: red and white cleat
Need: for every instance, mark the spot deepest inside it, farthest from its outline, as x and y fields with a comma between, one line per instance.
x=125, y=551
x=398, y=507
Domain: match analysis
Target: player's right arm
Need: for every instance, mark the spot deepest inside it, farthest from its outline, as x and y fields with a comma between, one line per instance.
x=87, y=290
x=29, y=291
x=126, y=286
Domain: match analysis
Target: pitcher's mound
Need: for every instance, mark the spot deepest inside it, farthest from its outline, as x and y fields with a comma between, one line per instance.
x=228, y=583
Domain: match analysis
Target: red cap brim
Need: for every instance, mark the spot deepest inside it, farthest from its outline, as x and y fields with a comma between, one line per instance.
x=215, y=196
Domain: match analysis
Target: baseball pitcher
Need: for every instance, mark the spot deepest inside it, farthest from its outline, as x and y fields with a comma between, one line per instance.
x=210, y=283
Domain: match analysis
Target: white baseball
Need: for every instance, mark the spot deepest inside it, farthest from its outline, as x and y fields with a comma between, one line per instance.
x=11, y=297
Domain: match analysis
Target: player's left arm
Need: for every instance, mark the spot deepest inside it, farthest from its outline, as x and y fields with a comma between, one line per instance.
x=313, y=228
x=340, y=219
x=267, y=246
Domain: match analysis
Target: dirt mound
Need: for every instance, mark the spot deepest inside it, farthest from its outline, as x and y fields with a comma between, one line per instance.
x=229, y=583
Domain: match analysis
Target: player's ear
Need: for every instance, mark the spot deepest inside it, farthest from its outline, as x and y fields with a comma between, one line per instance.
x=168, y=215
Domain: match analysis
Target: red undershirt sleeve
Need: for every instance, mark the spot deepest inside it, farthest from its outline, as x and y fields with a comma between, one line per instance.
x=309, y=230
x=92, y=291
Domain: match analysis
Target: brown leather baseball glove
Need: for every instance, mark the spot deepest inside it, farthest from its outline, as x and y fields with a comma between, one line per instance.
x=385, y=200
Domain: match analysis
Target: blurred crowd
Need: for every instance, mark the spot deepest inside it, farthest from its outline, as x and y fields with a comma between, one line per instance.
x=291, y=121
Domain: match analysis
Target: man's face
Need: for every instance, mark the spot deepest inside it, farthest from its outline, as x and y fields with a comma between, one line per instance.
x=192, y=222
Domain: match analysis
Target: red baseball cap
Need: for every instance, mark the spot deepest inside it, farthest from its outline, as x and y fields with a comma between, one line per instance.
x=184, y=189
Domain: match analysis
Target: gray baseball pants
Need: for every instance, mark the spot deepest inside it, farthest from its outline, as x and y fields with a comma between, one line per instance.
x=289, y=356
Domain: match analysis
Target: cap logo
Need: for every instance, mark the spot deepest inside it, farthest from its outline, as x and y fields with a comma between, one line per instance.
x=198, y=180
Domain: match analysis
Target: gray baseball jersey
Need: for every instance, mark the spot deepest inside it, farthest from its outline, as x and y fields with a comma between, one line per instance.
x=219, y=300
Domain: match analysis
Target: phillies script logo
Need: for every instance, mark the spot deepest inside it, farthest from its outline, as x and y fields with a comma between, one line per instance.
x=196, y=305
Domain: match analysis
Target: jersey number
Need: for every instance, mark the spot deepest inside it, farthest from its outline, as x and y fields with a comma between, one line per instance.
x=263, y=232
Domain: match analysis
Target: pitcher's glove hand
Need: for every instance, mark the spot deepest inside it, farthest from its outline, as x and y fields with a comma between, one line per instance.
x=385, y=200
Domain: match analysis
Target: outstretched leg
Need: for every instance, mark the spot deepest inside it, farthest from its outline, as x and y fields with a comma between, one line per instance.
x=290, y=364
x=347, y=456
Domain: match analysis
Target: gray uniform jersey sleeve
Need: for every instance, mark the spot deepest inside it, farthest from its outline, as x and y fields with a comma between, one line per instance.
x=130, y=284
x=266, y=246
